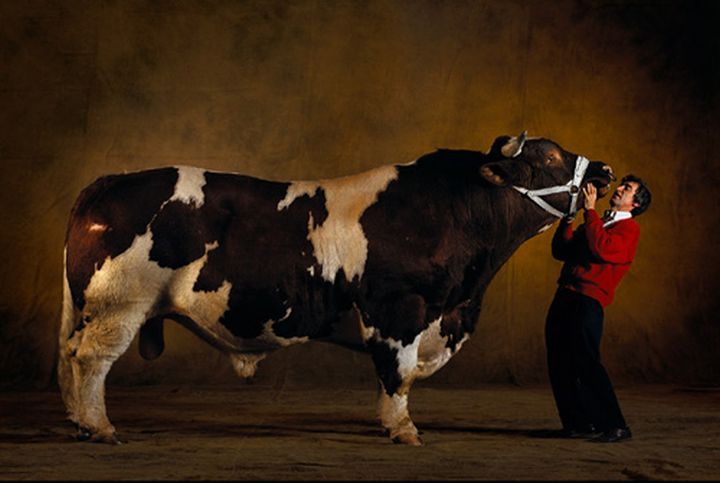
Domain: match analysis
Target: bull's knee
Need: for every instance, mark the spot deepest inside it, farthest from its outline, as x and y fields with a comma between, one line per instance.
x=106, y=337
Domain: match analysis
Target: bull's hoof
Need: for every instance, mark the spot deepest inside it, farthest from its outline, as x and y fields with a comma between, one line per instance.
x=108, y=438
x=410, y=439
x=85, y=434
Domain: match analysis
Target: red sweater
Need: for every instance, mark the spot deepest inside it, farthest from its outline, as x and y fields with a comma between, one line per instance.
x=596, y=258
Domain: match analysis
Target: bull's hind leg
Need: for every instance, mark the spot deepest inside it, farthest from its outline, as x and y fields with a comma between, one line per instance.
x=69, y=321
x=93, y=350
x=396, y=368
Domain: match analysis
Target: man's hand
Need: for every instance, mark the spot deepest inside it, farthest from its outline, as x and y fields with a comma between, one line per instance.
x=590, y=196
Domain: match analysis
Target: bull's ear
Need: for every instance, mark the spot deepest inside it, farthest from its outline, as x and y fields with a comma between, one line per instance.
x=495, y=151
x=492, y=174
x=507, y=146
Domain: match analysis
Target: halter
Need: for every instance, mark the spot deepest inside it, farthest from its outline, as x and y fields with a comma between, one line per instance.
x=572, y=187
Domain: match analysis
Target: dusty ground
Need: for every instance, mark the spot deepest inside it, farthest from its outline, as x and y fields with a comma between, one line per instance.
x=251, y=432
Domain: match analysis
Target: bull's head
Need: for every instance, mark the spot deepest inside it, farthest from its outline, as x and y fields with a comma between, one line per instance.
x=537, y=164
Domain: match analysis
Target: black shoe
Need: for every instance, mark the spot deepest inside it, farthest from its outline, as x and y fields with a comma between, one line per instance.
x=612, y=436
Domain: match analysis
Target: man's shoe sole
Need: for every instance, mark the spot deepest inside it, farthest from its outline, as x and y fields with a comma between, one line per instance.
x=612, y=436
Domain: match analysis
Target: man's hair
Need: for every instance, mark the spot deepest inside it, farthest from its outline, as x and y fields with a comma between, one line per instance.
x=642, y=194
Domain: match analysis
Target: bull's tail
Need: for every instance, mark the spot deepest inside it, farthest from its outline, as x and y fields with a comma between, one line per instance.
x=68, y=321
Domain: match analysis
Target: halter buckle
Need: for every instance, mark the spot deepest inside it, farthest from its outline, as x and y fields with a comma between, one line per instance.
x=571, y=187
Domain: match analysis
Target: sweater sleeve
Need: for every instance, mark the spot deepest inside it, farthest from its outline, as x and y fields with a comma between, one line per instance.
x=561, y=240
x=611, y=247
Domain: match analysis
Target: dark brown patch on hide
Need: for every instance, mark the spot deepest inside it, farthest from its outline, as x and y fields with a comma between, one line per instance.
x=418, y=246
x=262, y=252
x=456, y=324
x=180, y=232
x=386, y=365
x=317, y=306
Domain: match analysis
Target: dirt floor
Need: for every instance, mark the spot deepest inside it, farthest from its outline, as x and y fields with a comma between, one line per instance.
x=266, y=433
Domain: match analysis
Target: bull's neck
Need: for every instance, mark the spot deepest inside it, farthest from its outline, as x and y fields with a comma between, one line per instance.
x=504, y=221
x=525, y=220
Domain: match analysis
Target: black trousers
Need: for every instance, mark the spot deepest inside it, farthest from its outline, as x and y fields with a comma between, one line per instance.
x=583, y=392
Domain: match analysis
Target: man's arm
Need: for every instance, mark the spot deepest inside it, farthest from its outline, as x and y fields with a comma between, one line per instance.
x=615, y=247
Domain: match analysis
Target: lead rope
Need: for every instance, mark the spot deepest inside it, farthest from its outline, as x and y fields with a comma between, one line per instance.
x=572, y=187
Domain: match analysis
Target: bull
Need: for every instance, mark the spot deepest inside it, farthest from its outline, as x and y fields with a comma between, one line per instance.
x=252, y=265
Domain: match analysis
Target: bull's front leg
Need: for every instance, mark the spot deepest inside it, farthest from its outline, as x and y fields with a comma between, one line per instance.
x=396, y=363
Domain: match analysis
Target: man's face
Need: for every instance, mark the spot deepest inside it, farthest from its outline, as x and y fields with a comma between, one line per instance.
x=623, y=198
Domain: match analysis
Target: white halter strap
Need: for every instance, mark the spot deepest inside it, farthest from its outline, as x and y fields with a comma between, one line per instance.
x=572, y=187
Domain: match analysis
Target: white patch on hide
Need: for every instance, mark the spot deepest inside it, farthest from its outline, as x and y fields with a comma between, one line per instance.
x=287, y=314
x=340, y=241
x=366, y=332
x=271, y=338
x=95, y=227
x=407, y=356
x=427, y=353
x=129, y=278
x=132, y=280
x=296, y=190
x=205, y=308
x=140, y=288
x=433, y=352
x=188, y=188
x=67, y=323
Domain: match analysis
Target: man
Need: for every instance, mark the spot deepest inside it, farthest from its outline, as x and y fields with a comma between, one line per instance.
x=596, y=257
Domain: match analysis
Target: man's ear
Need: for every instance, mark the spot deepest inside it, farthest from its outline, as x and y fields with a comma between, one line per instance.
x=492, y=174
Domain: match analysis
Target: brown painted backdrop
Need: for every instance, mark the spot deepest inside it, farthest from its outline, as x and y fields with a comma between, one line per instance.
x=307, y=89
